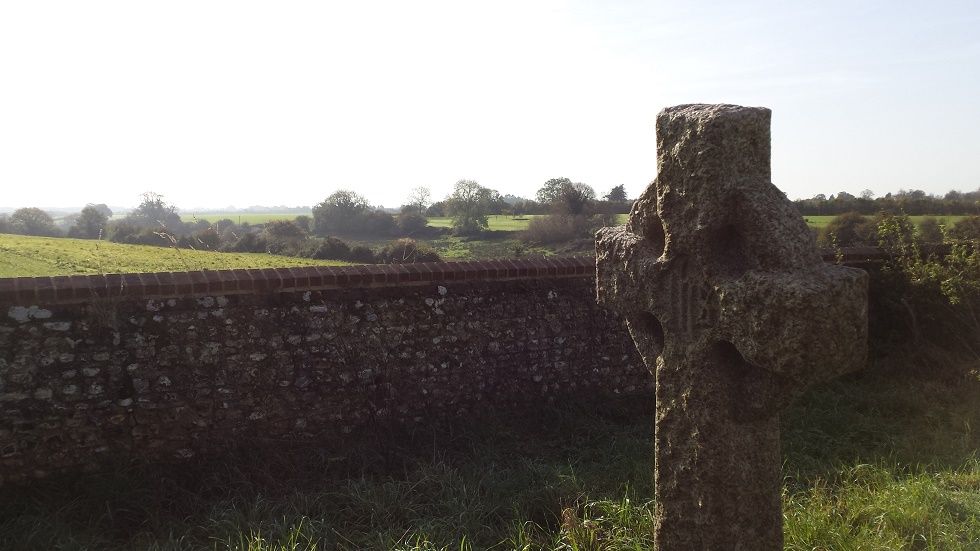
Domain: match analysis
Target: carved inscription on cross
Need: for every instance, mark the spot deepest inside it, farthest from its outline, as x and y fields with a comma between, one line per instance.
x=732, y=308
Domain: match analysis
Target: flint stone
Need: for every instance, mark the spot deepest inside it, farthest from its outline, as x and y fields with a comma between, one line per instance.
x=733, y=310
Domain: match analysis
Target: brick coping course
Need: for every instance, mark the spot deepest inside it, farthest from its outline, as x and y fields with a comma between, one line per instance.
x=83, y=288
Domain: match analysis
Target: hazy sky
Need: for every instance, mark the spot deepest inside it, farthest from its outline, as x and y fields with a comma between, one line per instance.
x=218, y=103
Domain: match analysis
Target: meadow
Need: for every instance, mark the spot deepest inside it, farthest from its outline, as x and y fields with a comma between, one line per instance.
x=251, y=218
x=50, y=256
x=820, y=221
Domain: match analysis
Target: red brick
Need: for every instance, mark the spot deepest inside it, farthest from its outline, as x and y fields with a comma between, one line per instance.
x=150, y=284
x=63, y=289
x=114, y=285
x=199, y=284
x=168, y=283
x=183, y=284
x=229, y=281
x=26, y=292
x=413, y=272
x=244, y=279
x=215, y=284
x=334, y=275
x=8, y=291
x=131, y=286
x=273, y=280
x=44, y=289
x=288, y=278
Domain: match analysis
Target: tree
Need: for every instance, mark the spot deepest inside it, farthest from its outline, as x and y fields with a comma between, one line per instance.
x=420, y=198
x=574, y=198
x=282, y=236
x=90, y=224
x=33, y=221
x=469, y=205
x=930, y=230
x=101, y=207
x=154, y=211
x=337, y=213
x=303, y=221
x=549, y=191
x=618, y=193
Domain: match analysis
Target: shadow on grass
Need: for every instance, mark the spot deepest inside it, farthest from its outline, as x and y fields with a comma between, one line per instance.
x=877, y=460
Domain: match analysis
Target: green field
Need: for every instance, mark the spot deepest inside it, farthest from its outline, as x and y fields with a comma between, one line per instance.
x=496, y=222
x=821, y=221
x=251, y=218
x=49, y=256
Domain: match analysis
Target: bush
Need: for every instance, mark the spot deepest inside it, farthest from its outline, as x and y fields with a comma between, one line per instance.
x=930, y=230
x=849, y=230
x=246, y=243
x=207, y=238
x=362, y=254
x=411, y=222
x=132, y=234
x=555, y=228
x=966, y=228
x=918, y=300
x=407, y=251
x=331, y=248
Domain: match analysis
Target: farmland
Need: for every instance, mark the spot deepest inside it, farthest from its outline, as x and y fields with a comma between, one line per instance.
x=821, y=221
x=251, y=218
x=50, y=256
x=40, y=256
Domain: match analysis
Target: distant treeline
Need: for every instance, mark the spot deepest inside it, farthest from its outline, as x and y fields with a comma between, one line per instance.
x=914, y=203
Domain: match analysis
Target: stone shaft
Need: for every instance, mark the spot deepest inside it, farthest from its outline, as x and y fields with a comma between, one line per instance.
x=732, y=308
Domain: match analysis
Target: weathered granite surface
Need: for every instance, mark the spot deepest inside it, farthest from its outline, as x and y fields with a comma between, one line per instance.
x=731, y=307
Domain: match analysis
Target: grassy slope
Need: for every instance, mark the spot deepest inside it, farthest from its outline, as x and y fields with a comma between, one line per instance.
x=36, y=256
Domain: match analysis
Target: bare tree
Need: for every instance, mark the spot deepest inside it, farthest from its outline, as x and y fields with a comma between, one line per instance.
x=420, y=198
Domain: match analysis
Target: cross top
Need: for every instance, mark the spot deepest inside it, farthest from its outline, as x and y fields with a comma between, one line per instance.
x=732, y=308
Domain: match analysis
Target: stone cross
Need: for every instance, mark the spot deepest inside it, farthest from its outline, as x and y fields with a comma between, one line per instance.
x=734, y=311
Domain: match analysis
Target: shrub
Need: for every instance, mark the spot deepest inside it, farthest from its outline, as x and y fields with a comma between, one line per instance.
x=924, y=300
x=331, y=248
x=407, y=251
x=411, y=222
x=247, y=243
x=849, y=230
x=362, y=254
x=930, y=231
x=132, y=234
x=207, y=238
x=966, y=228
x=555, y=228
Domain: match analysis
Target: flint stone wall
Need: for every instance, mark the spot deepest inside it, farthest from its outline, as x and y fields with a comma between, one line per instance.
x=176, y=365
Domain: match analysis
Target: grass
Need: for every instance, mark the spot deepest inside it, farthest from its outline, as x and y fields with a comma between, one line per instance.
x=496, y=222
x=820, y=221
x=880, y=460
x=251, y=218
x=25, y=256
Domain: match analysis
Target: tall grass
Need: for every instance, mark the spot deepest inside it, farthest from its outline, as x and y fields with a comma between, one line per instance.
x=880, y=460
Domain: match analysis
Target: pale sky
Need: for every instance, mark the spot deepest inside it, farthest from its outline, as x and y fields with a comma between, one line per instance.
x=219, y=103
